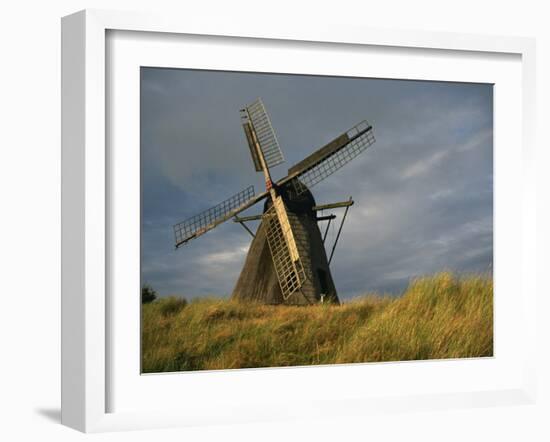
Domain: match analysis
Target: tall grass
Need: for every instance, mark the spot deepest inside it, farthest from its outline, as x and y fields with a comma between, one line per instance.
x=442, y=316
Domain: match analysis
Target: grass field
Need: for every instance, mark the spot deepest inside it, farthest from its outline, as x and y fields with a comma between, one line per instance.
x=441, y=316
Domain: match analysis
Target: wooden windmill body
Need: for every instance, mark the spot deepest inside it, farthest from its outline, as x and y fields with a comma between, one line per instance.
x=286, y=262
x=258, y=279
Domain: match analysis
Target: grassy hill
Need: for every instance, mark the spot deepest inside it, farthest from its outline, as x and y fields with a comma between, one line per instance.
x=442, y=316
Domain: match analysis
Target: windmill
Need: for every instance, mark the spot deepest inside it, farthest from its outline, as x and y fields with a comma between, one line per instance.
x=287, y=261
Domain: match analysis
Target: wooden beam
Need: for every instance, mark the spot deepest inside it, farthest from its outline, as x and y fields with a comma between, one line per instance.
x=325, y=218
x=319, y=155
x=239, y=219
x=245, y=227
x=339, y=232
x=334, y=205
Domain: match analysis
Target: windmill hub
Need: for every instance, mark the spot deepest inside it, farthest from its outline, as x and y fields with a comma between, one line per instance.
x=298, y=204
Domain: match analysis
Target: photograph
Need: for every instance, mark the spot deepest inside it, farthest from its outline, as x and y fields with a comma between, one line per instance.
x=299, y=220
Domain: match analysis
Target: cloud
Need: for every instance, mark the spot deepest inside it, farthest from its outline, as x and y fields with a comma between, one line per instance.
x=225, y=257
x=478, y=140
x=424, y=166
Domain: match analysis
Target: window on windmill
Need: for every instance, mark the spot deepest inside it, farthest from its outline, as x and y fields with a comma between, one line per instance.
x=323, y=281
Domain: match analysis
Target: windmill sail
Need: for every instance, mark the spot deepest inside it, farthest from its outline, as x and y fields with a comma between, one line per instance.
x=257, y=127
x=286, y=228
x=248, y=131
x=203, y=222
x=328, y=159
x=283, y=248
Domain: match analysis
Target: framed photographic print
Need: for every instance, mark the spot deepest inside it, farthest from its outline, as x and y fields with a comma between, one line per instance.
x=273, y=291
x=252, y=214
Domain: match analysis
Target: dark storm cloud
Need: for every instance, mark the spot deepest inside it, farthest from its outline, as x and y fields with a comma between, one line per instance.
x=423, y=191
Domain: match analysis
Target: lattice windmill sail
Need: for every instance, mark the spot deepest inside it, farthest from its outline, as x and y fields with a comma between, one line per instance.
x=258, y=130
x=327, y=160
x=284, y=251
x=203, y=222
x=287, y=261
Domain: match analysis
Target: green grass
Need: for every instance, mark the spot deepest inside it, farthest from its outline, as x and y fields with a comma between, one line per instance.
x=442, y=316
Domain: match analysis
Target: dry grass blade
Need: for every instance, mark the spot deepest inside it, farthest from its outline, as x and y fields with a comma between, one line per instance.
x=438, y=317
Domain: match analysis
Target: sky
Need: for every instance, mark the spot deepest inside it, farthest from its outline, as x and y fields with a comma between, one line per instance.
x=423, y=192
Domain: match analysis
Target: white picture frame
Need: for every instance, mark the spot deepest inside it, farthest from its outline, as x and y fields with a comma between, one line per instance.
x=86, y=207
